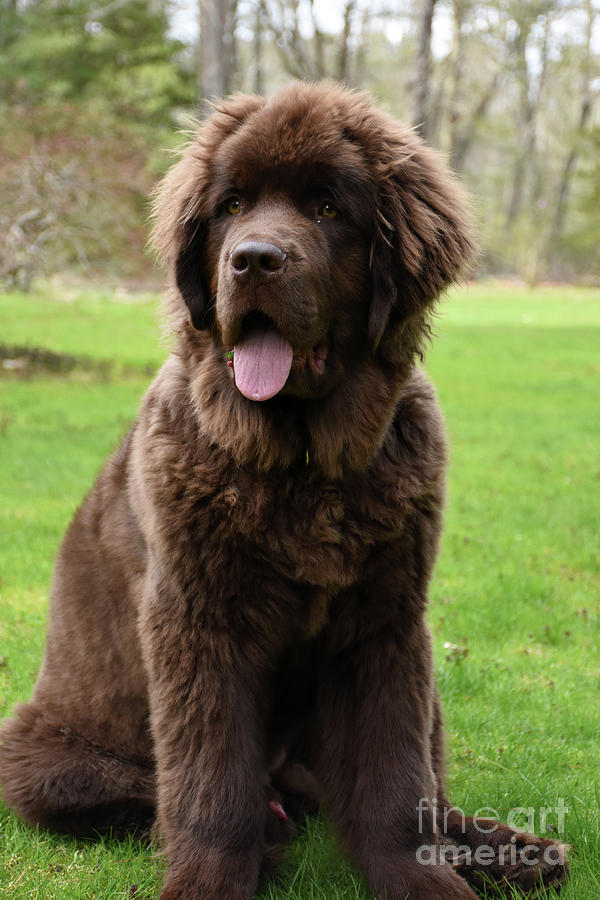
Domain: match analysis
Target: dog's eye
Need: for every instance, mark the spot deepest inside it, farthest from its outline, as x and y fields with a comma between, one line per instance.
x=233, y=206
x=328, y=210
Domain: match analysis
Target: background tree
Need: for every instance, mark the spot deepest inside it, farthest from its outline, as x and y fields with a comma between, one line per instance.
x=218, y=63
x=506, y=89
x=422, y=74
x=307, y=50
x=589, y=92
x=86, y=92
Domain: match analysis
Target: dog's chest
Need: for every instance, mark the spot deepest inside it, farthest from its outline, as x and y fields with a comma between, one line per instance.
x=308, y=530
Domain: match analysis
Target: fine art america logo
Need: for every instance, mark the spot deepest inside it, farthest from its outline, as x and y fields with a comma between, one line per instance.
x=485, y=821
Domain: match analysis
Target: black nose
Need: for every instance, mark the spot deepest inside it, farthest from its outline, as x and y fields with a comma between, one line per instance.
x=257, y=258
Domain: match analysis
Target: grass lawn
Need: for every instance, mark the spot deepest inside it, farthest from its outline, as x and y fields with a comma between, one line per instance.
x=516, y=595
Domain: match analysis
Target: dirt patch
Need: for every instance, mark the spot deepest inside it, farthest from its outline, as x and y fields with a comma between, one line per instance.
x=31, y=362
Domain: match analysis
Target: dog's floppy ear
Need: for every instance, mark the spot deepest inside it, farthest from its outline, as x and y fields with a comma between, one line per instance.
x=190, y=275
x=182, y=206
x=422, y=232
x=180, y=213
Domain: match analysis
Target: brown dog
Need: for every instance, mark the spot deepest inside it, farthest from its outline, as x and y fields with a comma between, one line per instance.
x=238, y=607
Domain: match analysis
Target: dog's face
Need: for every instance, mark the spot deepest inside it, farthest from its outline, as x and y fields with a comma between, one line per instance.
x=287, y=251
x=303, y=229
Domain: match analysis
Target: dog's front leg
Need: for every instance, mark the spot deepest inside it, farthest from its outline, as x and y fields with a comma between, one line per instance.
x=204, y=688
x=374, y=721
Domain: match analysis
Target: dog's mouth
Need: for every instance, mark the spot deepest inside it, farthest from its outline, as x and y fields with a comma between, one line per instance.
x=263, y=358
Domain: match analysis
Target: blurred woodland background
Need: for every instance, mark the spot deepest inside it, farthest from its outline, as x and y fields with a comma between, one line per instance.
x=92, y=92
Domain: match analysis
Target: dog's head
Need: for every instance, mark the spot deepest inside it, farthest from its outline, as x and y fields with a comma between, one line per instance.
x=307, y=232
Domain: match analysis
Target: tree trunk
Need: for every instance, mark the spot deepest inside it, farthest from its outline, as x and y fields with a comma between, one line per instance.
x=525, y=135
x=344, y=54
x=537, y=168
x=318, y=43
x=360, y=57
x=422, y=71
x=230, y=47
x=259, y=77
x=570, y=164
x=211, y=64
x=459, y=9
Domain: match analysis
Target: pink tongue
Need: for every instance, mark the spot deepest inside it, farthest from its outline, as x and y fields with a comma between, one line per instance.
x=262, y=363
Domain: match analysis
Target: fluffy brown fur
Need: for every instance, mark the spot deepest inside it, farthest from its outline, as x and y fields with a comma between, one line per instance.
x=237, y=622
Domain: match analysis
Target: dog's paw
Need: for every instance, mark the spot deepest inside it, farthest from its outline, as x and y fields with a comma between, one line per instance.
x=524, y=861
x=541, y=863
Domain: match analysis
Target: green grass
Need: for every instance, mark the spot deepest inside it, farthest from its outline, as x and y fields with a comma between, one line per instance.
x=516, y=591
x=88, y=324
